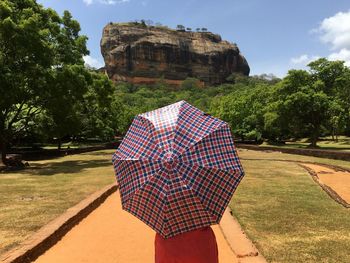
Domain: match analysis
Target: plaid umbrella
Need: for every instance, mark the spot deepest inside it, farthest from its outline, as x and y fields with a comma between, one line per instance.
x=177, y=169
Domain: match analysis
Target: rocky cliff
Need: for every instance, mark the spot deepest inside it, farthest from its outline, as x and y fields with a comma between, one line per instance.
x=143, y=54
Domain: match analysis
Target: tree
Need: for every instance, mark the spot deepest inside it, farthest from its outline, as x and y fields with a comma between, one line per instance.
x=66, y=120
x=342, y=94
x=143, y=22
x=180, y=27
x=336, y=111
x=301, y=105
x=35, y=44
x=198, y=29
x=204, y=29
x=101, y=110
x=244, y=109
x=328, y=72
x=336, y=78
x=189, y=29
x=190, y=84
x=149, y=22
x=237, y=78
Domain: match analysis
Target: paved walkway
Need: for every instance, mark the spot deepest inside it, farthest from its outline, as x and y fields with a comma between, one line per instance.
x=110, y=234
x=338, y=181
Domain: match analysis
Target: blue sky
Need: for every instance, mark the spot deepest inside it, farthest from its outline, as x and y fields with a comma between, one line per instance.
x=273, y=35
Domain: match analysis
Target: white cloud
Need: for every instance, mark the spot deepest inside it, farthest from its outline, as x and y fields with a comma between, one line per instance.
x=93, y=62
x=343, y=54
x=87, y=2
x=299, y=60
x=105, y=2
x=335, y=30
x=303, y=60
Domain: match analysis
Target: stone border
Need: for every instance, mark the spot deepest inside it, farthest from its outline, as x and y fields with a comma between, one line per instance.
x=334, y=195
x=51, y=233
x=330, y=154
x=240, y=244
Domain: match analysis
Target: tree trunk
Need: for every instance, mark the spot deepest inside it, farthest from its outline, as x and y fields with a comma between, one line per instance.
x=59, y=143
x=347, y=123
x=3, y=151
x=313, y=142
x=315, y=134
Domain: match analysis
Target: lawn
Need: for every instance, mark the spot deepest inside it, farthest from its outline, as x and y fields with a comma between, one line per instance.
x=286, y=214
x=31, y=198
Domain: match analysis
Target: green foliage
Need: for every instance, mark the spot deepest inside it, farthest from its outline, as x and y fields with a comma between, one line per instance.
x=244, y=109
x=190, y=84
x=180, y=27
x=303, y=104
x=45, y=88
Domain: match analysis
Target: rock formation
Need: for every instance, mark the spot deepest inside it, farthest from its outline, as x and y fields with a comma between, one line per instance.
x=143, y=54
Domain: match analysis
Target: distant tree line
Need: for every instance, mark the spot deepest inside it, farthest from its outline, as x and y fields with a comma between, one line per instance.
x=304, y=104
x=183, y=28
x=48, y=95
x=150, y=23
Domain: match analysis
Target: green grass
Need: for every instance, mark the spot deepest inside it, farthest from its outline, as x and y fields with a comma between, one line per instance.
x=343, y=144
x=31, y=198
x=286, y=214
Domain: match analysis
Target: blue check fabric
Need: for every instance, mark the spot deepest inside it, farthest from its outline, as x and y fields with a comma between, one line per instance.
x=177, y=169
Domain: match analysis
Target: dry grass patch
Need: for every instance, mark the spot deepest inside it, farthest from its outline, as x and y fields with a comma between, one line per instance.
x=286, y=214
x=31, y=198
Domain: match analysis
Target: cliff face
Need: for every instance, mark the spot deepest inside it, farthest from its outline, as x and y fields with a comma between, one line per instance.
x=140, y=54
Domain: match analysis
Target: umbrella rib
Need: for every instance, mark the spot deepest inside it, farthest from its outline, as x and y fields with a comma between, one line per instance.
x=164, y=210
x=138, y=159
x=176, y=124
x=151, y=135
x=196, y=197
x=238, y=178
x=236, y=171
x=142, y=186
x=223, y=125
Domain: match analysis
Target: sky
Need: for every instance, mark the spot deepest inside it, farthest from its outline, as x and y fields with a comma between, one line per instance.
x=273, y=35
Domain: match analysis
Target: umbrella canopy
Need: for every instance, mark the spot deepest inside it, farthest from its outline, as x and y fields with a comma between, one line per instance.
x=177, y=169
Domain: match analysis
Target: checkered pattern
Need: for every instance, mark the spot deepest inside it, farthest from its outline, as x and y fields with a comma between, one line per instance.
x=177, y=169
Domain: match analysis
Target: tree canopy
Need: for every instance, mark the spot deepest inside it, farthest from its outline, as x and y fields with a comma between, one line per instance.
x=42, y=73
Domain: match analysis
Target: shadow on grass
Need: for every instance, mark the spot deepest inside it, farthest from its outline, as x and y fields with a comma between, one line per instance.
x=66, y=167
x=103, y=153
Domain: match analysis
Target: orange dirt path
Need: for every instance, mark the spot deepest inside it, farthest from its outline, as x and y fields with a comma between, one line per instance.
x=109, y=234
x=337, y=180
